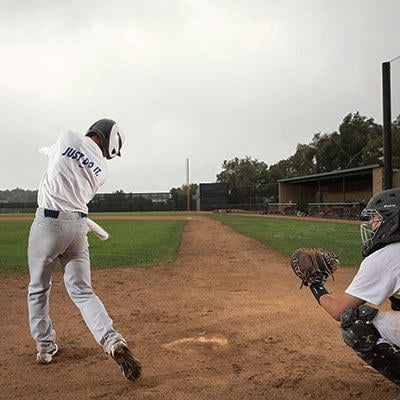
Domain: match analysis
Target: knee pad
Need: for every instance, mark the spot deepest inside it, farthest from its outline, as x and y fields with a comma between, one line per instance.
x=357, y=329
x=385, y=358
x=390, y=353
x=361, y=335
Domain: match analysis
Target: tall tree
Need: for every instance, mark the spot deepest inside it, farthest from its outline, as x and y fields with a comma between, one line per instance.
x=328, y=155
x=18, y=195
x=182, y=191
x=303, y=161
x=281, y=170
x=355, y=133
x=243, y=172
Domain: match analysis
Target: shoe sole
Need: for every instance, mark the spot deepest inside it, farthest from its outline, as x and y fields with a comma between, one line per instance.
x=128, y=363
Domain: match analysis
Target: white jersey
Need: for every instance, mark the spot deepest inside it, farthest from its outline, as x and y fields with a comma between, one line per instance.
x=75, y=172
x=378, y=276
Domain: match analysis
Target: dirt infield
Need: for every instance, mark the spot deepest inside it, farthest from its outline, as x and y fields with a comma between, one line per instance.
x=225, y=321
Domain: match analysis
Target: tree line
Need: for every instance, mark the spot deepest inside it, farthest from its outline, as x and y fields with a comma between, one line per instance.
x=357, y=142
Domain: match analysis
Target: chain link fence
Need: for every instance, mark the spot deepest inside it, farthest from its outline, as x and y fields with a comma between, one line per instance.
x=252, y=199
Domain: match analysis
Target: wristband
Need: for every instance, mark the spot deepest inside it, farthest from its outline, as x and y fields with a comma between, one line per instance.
x=318, y=290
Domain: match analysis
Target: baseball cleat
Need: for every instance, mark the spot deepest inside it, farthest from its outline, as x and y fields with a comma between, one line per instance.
x=128, y=363
x=45, y=357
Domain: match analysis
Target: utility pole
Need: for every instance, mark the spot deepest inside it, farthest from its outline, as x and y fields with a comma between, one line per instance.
x=387, y=127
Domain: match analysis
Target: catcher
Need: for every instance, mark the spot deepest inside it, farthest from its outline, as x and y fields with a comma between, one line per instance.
x=373, y=334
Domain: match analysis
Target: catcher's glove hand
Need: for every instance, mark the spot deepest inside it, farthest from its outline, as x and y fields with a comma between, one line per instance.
x=313, y=265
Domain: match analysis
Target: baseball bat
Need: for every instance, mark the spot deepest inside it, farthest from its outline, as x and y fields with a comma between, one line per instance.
x=101, y=233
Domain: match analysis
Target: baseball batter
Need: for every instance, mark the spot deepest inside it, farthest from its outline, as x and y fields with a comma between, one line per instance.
x=76, y=169
x=373, y=334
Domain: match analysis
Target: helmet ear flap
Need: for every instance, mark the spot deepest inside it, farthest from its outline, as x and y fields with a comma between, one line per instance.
x=393, y=224
x=115, y=142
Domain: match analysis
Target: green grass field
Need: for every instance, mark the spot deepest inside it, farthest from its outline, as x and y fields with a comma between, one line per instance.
x=150, y=242
x=131, y=243
x=288, y=234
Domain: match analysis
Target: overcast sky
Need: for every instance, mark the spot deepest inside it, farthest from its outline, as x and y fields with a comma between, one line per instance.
x=203, y=80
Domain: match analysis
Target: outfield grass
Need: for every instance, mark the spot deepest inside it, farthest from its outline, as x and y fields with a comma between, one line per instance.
x=288, y=234
x=131, y=243
x=149, y=242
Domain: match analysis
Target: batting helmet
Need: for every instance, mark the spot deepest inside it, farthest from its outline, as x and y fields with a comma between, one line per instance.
x=111, y=136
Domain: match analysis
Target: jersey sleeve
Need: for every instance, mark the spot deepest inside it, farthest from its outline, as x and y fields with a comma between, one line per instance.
x=50, y=150
x=373, y=283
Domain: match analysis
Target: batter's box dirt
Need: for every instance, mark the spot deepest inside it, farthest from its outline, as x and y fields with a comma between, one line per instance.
x=264, y=339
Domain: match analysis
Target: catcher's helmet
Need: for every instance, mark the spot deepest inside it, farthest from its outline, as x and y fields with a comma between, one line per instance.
x=381, y=225
x=111, y=135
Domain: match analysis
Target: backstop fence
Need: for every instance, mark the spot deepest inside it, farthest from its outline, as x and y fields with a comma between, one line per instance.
x=335, y=210
x=260, y=200
x=252, y=199
x=160, y=201
x=118, y=202
x=282, y=208
x=17, y=207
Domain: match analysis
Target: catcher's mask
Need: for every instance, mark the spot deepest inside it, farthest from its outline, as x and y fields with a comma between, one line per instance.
x=381, y=226
x=111, y=136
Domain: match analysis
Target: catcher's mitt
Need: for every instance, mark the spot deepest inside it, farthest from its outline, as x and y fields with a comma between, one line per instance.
x=313, y=265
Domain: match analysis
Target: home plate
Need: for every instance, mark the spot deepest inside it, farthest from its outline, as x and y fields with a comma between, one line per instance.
x=213, y=340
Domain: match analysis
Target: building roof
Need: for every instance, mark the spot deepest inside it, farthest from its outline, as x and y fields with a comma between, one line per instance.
x=366, y=170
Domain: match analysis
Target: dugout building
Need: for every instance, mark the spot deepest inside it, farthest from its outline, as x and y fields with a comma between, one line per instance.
x=349, y=187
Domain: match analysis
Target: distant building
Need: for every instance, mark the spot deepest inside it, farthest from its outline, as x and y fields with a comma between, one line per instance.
x=347, y=185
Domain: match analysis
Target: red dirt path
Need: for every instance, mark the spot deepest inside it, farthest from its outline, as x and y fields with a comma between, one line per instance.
x=226, y=320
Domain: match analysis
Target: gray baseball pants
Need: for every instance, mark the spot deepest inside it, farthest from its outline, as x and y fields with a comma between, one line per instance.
x=64, y=239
